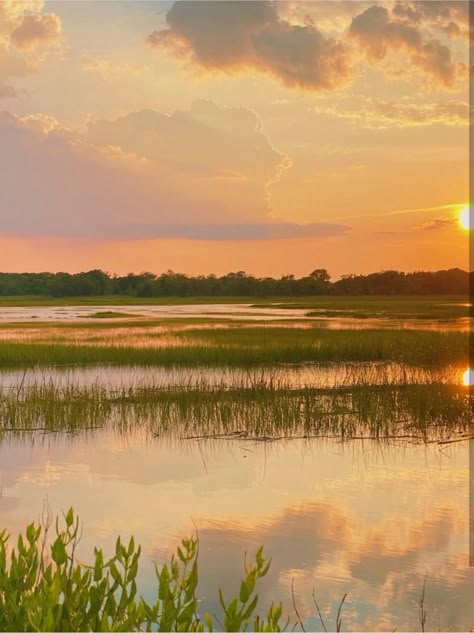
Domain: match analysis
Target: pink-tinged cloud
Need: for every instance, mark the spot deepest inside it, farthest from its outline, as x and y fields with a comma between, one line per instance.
x=232, y=35
x=203, y=173
x=35, y=30
x=25, y=35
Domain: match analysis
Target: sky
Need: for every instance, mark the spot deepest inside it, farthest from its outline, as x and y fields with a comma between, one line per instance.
x=209, y=137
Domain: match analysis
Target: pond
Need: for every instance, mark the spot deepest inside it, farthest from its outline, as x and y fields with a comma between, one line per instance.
x=369, y=519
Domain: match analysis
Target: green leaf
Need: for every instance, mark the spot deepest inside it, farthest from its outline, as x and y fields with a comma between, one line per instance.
x=250, y=609
x=69, y=517
x=58, y=552
x=244, y=592
x=99, y=565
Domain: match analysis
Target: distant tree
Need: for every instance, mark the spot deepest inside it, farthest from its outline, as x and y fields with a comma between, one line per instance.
x=146, y=284
x=321, y=274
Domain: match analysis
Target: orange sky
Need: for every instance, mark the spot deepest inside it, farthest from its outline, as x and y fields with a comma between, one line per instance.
x=208, y=137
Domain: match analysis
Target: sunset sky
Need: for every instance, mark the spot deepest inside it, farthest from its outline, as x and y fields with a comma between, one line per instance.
x=207, y=137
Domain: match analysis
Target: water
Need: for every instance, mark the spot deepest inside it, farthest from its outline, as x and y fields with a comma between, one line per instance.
x=327, y=375
x=217, y=310
x=231, y=312
x=363, y=518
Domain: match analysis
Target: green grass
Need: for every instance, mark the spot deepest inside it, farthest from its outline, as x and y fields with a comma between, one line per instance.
x=247, y=347
x=260, y=411
x=119, y=300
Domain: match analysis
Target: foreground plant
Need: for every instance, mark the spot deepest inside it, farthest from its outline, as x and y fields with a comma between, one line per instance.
x=44, y=588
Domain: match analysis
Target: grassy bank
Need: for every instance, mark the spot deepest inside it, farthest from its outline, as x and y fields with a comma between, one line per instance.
x=124, y=300
x=247, y=347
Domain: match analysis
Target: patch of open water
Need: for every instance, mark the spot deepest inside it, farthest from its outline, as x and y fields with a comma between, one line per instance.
x=368, y=519
x=330, y=375
x=230, y=312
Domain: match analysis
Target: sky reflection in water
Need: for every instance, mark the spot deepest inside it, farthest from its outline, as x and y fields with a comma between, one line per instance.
x=357, y=518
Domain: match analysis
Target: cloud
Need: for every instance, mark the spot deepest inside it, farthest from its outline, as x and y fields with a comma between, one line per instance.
x=232, y=35
x=436, y=224
x=378, y=33
x=284, y=40
x=105, y=66
x=36, y=30
x=377, y=113
x=446, y=16
x=201, y=146
x=203, y=173
x=26, y=34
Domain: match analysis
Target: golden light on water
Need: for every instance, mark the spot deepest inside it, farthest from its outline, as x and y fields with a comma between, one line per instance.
x=468, y=378
x=465, y=218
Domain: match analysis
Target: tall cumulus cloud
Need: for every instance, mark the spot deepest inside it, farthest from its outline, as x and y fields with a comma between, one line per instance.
x=201, y=173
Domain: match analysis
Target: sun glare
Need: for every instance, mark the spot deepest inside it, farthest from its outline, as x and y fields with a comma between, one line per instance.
x=465, y=218
x=468, y=378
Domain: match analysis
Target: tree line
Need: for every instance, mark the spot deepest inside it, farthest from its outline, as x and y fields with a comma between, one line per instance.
x=171, y=284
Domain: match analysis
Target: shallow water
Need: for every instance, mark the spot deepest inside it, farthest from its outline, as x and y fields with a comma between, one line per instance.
x=216, y=310
x=232, y=312
x=283, y=376
x=363, y=518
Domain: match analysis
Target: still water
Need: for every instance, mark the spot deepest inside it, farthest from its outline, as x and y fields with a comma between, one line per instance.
x=239, y=312
x=328, y=375
x=368, y=519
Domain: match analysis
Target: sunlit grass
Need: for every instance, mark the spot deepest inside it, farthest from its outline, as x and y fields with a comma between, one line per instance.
x=248, y=347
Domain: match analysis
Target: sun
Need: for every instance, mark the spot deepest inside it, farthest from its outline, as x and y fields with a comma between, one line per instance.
x=465, y=218
x=468, y=378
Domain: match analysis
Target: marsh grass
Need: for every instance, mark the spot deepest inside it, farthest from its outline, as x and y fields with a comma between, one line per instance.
x=247, y=347
x=398, y=306
x=261, y=411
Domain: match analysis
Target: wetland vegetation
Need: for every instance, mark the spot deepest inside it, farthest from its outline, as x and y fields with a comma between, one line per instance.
x=246, y=346
x=44, y=588
x=197, y=380
x=253, y=411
